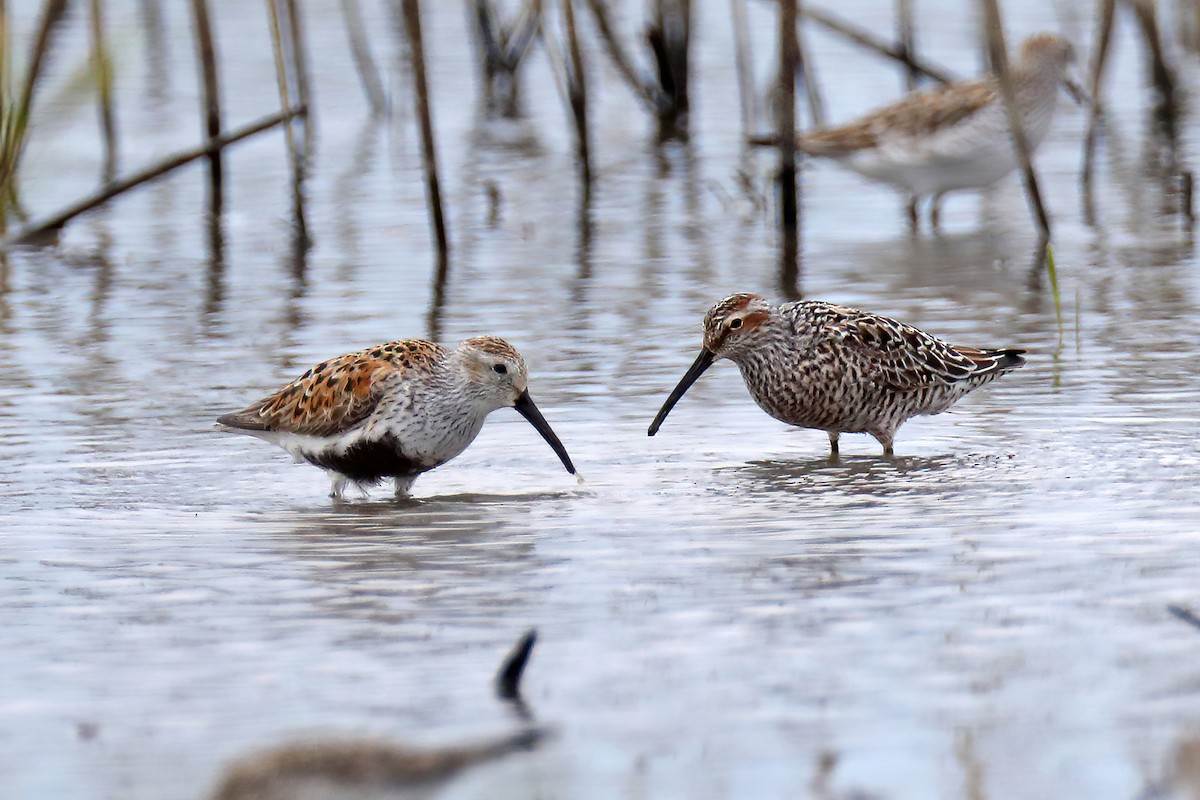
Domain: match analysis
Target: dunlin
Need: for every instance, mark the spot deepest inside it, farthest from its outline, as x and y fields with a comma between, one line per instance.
x=817, y=365
x=953, y=137
x=395, y=410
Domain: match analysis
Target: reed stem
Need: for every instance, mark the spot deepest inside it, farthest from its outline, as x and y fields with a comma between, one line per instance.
x=57, y=221
x=286, y=78
x=866, y=39
x=577, y=96
x=744, y=64
x=812, y=89
x=1104, y=29
x=102, y=67
x=364, y=63
x=640, y=86
x=785, y=132
x=669, y=37
x=303, y=79
x=1164, y=78
x=14, y=120
x=906, y=38
x=998, y=54
x=211, y=92
x=412, y=23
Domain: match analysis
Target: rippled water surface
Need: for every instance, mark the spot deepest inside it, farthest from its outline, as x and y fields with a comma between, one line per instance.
x=720, y=607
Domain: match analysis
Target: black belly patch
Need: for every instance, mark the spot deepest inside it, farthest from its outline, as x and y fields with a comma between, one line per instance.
x=369, y=461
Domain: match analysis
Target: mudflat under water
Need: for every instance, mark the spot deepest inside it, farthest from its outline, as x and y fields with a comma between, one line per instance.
x=720, y=607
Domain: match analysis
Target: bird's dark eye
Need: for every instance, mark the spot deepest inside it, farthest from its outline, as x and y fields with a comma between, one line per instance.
x=500, y=369
x=734, y=324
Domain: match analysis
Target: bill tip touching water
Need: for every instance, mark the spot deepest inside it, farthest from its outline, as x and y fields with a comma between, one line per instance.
x=818, y=365
x=395, y=410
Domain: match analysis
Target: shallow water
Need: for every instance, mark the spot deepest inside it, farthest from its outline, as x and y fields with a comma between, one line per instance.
x=719, y=606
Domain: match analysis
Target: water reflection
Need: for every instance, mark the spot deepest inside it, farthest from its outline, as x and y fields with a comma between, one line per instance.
x=214, y=295
x=334, y=766
x=393, y=564
x=859, y=475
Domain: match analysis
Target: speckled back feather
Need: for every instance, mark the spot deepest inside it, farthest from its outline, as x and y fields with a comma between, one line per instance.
x=896, y=355
x=916, y=115
x=337, y=394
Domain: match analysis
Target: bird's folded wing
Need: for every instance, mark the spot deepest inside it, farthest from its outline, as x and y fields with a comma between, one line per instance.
x=917, y=115
x=901, y=357
x=337, y=394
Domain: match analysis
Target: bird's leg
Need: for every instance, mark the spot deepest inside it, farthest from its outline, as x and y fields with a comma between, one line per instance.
x=885, y=439
x=833, y=442
x=403, y=485
x=337, y=485
x=935, y=211
x=914, y=217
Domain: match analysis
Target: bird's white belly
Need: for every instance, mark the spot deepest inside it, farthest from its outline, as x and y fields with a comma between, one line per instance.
x=940, y=164
x=970, y=155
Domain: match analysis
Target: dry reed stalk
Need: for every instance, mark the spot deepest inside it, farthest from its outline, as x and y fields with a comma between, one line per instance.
x=360, y=48
x=300, y=63
x=502, y=50
x=412, y=23
x=214, y=292
x=286, y=78
x=812, y=88
x=5, y=55
x=14, y=116
x=785, y=133
x=8, y=128
x=669, y=37
x=868, y=40
x=1164, y=78
x=744, y=64
x=211, y=88
x=562, y=81
x=102, y=66
x=282, y=73
x=299, y=60
x=998, y=54
x=1187, y=187
x=1099, y=60
x=52, y=13
x=51, y=224
x=577, y=95
x=640, y=86
x=487, y=37
x=906, y=38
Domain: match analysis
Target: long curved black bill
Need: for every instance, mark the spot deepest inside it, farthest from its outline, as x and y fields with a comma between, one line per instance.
x=702, y=362
x=529, y=411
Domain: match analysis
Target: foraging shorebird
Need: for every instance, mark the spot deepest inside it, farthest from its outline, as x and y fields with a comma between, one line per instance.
x=394, y=410
x=817, y=365
x=955, y=136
